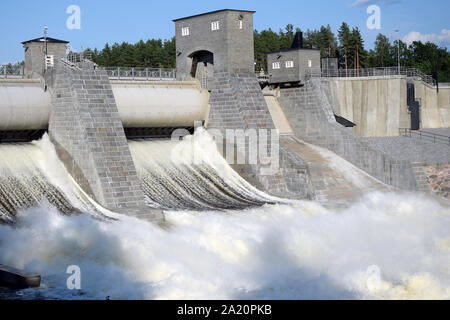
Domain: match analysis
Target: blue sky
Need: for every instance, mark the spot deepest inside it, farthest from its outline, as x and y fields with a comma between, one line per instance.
x=116, y=21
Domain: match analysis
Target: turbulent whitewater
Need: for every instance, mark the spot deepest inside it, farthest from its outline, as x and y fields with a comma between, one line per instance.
x=191, y=174
x=384, y=246
x=186, y=175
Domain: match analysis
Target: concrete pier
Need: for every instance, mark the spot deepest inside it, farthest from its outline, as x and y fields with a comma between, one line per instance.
x=89, y=137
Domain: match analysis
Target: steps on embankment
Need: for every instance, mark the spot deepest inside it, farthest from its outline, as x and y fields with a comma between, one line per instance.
x=312, y=119
x=237, y=103
x=333, y=178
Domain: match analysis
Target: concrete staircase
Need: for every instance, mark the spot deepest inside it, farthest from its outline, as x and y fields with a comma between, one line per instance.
x=312, y=120
x=333, y=180
x=237, y=103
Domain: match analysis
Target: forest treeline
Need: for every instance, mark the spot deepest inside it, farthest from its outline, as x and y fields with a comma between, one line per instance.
x=346, y=44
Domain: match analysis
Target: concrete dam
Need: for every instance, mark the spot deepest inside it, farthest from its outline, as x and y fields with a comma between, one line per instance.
x=213, y=182
x=109, y=138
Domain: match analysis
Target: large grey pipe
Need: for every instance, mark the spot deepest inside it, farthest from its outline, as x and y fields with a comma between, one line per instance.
x=25, y=106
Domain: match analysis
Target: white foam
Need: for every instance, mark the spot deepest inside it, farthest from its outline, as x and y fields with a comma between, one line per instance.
x=276, y=252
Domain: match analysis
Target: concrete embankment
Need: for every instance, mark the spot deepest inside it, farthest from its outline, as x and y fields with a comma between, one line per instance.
x=434, y=106
x=377, y=105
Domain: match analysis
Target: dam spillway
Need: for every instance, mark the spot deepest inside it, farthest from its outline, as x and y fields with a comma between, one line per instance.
x=31, y=175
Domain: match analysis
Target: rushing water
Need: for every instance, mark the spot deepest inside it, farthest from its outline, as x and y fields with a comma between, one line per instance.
x=191, y=175
x=386, y=245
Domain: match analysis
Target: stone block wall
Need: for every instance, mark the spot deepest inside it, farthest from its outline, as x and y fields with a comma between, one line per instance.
x=238, y=103
x=311, y=118
x=89, y=137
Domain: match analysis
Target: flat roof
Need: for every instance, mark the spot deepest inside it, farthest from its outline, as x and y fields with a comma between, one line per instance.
x=49, y=40
x=290, y=49
x=203, y=14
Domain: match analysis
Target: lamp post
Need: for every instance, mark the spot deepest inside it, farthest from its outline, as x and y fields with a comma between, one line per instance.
x=45, y=46
x=398, y=50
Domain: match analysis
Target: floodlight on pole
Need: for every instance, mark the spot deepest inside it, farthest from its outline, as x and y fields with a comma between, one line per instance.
x=398, y=50
x=45, y=46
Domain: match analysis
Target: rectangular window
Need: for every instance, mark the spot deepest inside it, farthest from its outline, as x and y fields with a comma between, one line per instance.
x=276, y=65
x=215, y=25
x=240, y=24
x=289, y=64
x=309, y=64
x=185, y=31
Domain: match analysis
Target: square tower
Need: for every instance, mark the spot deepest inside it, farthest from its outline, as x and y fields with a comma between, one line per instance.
x=35, y=54
x=218, y=41
x=291, y=65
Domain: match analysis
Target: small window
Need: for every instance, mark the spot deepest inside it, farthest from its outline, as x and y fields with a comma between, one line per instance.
x=289, y=64
x=215, y=25
x=309, y=64
x=240, y=24
x=185, y=31
x=276, y=65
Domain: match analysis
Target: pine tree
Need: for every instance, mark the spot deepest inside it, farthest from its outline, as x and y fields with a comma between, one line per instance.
x=357, y=52
x=344, y=37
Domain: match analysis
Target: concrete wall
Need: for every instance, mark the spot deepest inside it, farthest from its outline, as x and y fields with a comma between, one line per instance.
x=377, y=105
x=434, y=106
x=237, y=103
x=310, y=115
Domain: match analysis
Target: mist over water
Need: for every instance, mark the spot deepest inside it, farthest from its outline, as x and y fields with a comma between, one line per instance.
x=384, y=246
x=274, y=252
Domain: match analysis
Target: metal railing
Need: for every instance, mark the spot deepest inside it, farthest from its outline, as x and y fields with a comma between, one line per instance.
x=424, y=135
x=76, y=57
x=11, y=72
x=369, y=72
x=121, y=73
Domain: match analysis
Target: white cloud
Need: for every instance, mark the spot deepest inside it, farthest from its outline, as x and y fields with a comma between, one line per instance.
x=442, y=38
x=358, y=3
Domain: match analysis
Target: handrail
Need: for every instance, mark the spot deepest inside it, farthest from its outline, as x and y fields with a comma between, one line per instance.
x=368, y=72
x=424, y=135
x=130, y=73
x=6, y=71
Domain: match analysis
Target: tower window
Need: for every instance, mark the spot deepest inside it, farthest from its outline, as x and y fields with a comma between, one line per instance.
x=289, y=64
x=276, y=65
x=240, y=24
x=309, y=64
x=215, y=25
x=185, y=31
